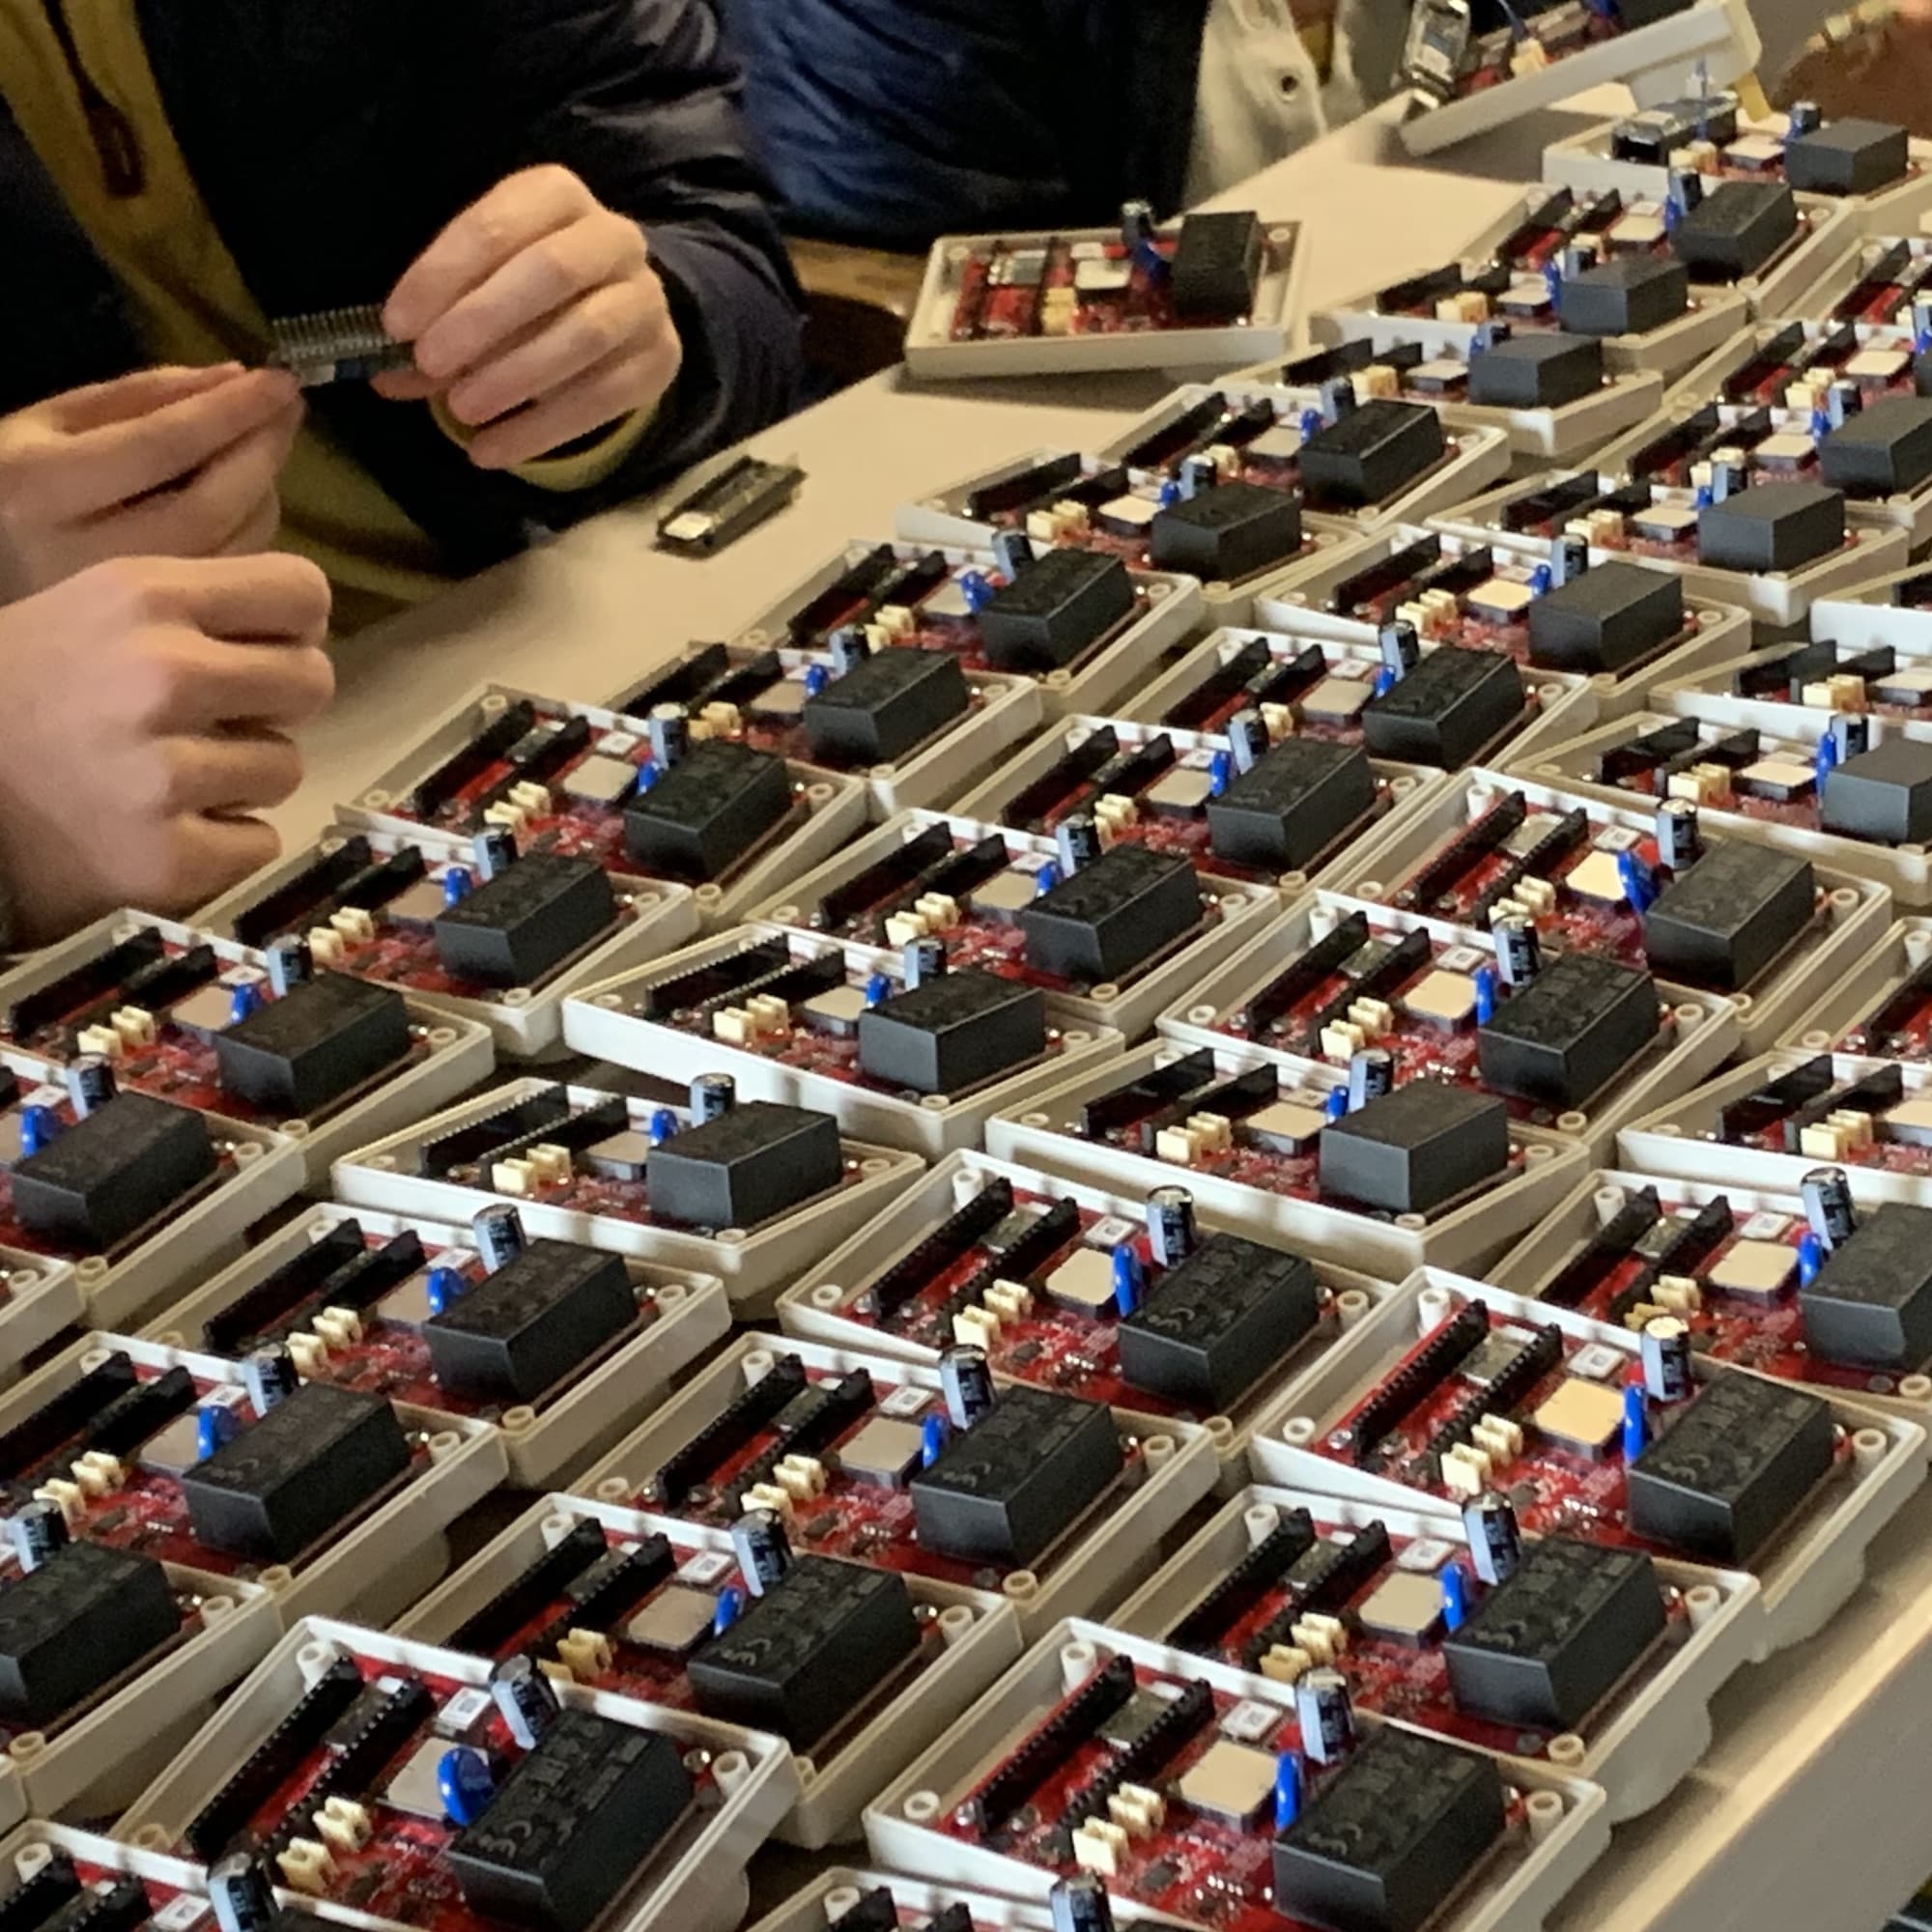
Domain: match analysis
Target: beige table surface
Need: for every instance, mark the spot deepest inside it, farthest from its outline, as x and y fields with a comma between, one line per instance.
x=1813, y=1812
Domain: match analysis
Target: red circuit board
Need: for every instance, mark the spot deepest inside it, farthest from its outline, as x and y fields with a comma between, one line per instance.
x=1768, y=382
x=1898, y=1027
x=1488, y=62
x=1899, y=276
x=160, y=1895
x=1135, y=549
x=400, y=1874
x=1202, y=1868
x=1803, y=813
x=870, y=1522
x=1004, y=290
x=148, y=1513
x=1878, y=1156
x=1406, y=1682
x=1762, y=1332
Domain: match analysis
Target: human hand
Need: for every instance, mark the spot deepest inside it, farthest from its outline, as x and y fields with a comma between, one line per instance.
x=149, y=703
x=537, y=317
x=162, y=463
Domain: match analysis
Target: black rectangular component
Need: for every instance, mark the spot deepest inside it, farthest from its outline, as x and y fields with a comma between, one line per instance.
x=524, y=1329
x=1723, y=922
x=72, y=1626
x=1112, y=917
x=1628, y=295
x=1730, y=1469
x=113, y=1172
x=1885, y=450
x=572, y=1824
x=1390, y=1835
x=707, y=811
x=722, y=509
x=757, y=1161
x=1217, y=267
x=810, y=1653
x=296, y=1473
x=1008, y=1488
x=1847, y=158
x=1056, y=610
x=1735, y=230
x=1776, y=527
x=1216, y=1324
x=1450, y=708
x=1418, y=1147
x=302, y=1053
x=523, y=923
x=1536, y=372
x=1567, y=1034
x=1291, y=805
x=1605, y=620
x=1546, y=1647
x=1871, y=1303
x=1366, y=456
x=1228, y=532
x=1884, y=795
x=953, y=1033
x=885, y=706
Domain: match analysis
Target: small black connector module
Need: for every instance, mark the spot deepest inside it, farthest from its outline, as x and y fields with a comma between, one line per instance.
x=1005, y=1490
x=809, y=1652
x=1871, y=1303
x=884, y=706
x=1366, y=455
x=1054, y=611
x=1214, y=1326
x=953, y=1033
x=1723, y=923
x=1112, y=917
x=113, y=1172
x=300, y=1054
x=1217, y=267
x=746, y=1167
x=1536, y=372
x=1567, y=1034
x=1291, y=805
x=726, y=507
x=705, y=813
x=1546, y=1647
x=1389, y=1835
x=1884, y=795
x=71, y=1627
x=1628, y=295
x=1730, y=1467
x=572, y=1824
x=1849, y=156
x=1418, y=1147
x=293, y=1475
x=1885, y=450
x=1448, y=710
x=1605, y=620
x=524, y=1329
x=1771, y=529
x=1735, y=230
x=523, y=923
x=1232, y=531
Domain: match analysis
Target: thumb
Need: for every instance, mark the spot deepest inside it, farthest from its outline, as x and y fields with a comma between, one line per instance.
x=127, y=397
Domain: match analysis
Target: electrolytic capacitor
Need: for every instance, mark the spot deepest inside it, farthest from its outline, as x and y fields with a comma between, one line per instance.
x=1494, y=1536
x=1804, y=117
x=1248, y=739
x=1455, y=1588
x=526, y=1696
x=40, y=1127
x=1198, y=475
x=466, y=1784
x=1639, y=882
x=1220, y=773
x=763, y=1550
x=1014, y=550
x=1826, y=1193
x=713, y=1096
x=1335, y=1102
x=242, y=999
x=877, y=989
x=1824, y=760
x=1680, y=838
x=494, y=849
x=216, y=1426
x=1842, y=402
x=500, y=1236
x=444, y=1288
x=1400, y=647
x=38, y=1531
x=457, y=883
x=1080, y=1904
x=1371, y=1075
x=1810, y=1258
x=730, y=1607
x=243, y=1898
x=977, y=589
x=1170, y=1219
x=1324, y=1714
x=270, y=1377
x=816, y=678
x=1552, y=280
x=966, y=1377
x=1922, y=324
x=1129, y=1278
x=1078, y=841
x=1568, y=558
x=670, y=728
x=933, y=1436
x=290, y=963
x=91, y=1083
x=1287, y=1789
x=1851, y=733
x=1637, y=1422
x=1136, y=224
x=1686, y=188
x=1518, y=950
x=1665, y=1349
x=1338, y=398
x=1728, y=479
x=923, y=959
x=848, y=648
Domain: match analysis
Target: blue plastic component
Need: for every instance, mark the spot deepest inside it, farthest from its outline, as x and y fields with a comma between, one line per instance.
x=647, y=775
x=242, y=999
x=730, y=1607
x=1540, y=580
x=1825, y=761
x=1129, y=1278
x=1552, y=279
x=933, y=1439
x=1169, y=494
x=444, y=1287
x=1637, y=1422
x=1810, y=1259
x=1287, y=1789
x=40, y=1127
x=816, y=678
x=1045, y=879
x=457, y=883
x=1455, y=1597
x=976, y=587
x=1220, y=773
x=1311, y=424
x=1337, y=1102
x=1705, y=496
x=1639, y=886
x=664, y=1124
x=878, y=990
x=1384, y=682
x=214, y=1426
x=1485, y=994
x=466, y=1784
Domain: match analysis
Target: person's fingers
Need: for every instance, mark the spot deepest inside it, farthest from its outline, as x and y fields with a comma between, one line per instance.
x=550, y=275
x=605, y=323
x=259, y=531
x=225, y=775
x=213, y=854
x=127, y=397
x=270, y=599
x=196, y=684
x=405, y=385
x=630, y=379
x=202, y=517
x=493, y=231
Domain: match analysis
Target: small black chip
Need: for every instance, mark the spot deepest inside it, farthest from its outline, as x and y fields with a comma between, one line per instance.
x=1546, y=1647
x=1735, y=230
x=1419, y=1145
x=953, y=1033
x=746, y=1167
x=1217, y=267
x=1232, y=531
x=1448, y=710
x=810, y=1653
x=1536, y=372
x=1847, y=158
x=1369, y=454
x=1732, y=1466
x=112, y=1173
x=708, y=811
x=1389, y=1835
x=302, y=1053
x=295, y=1474
x=886, y=705
x=1871, y=1303
x=1111, y=918
x=1291, y=805
x=71, y=1627
x=1773, y=527
x=522, y=1329
x=526, y=921
x=1884, y=795
x=1605, y=620
x=1723, y=923
x=1563, y=1038
x=1628, y=295
x=1885, y=450
x=1055, y=611
x=1216, y=1324
x=1008, y=1488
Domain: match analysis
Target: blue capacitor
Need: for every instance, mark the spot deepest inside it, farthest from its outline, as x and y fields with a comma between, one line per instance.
x=878, y=990
x=1287, y=1789
x=713, y=1096
x=1540, y=580
x=1310, y=425
x=1129, y=1278
x=290, y=963
x=1841, y=401
x=443, y=1287
x=500, y=1236
x=1338, y=398
x=1220, y=773
x=1680, y=841
x=1385, y=682
x=465, y=1784
x=662, y=1126
x=1324, y=1714
x=1704, y=497
x=40, y=1127
x=1639, y=887
x=1824, y=760
x=457, y=883
x=242, y=999
x=1455, y=1597
x=1570, y=558
x=1922, y=325
x=214, y=1426
x=1821, y=425
x=1045, y=879
x=1337, y=1102
x=647, y=776
x=848, y=647
x=933, y=1436
x=1687, y=190
x=1170, y=1225
x=1553, y=280
x=1495, y=1537
x=1810, y=1259
x=1829, y=1209
x=670, y=732
x=91, y=1083
x=495, y=850
x=1673, y=212
x=976, y=587
x=1637, y=1422
x=816, y=678
x=1170, y=494
x=730, y=1607
x=1485, y=994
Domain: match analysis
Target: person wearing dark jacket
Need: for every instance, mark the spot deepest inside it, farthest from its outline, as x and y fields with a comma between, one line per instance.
x=549, y=199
